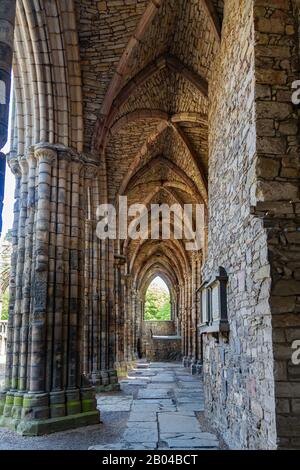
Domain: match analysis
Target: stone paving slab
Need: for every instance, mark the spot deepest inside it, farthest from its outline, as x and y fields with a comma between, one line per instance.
x=163, y=379
x=189, y=435
x=144, y=416
x=189, y=386
x=125, y=446
x=187, y=444
x=162, y=405
x=141, y=435
x=188, y=378
x=190, y=407
x=142, y=425
x=162, y=412
x=165, y=365
x=142, y=373
x=153, y=394
x=162, y=386
x=195, y=440
x=188, y=397
x=133, y=384
x=114, y=403
x=136, y=382
x=178, y=422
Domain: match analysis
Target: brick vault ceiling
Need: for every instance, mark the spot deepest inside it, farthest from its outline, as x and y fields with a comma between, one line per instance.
x=166, y=71
x=129, y=81
x=146, y=113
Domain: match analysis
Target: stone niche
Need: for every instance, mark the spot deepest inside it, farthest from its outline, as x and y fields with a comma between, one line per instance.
x=213, y=302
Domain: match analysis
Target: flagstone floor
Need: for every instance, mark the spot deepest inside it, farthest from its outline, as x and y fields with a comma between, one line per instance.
x=163, y=407
x=160, y=406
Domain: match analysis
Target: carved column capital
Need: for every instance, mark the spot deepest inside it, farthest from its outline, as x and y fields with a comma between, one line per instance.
x=13, y=163
x=77, y=166
x=23, y=163
x=45, y=154
x=90, y=170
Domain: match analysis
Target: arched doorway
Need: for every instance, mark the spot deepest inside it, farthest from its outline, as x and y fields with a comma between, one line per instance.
x=160, y=333
x=157, y=301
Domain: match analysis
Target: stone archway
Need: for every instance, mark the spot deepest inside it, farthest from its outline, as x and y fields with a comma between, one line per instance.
x=143, y=100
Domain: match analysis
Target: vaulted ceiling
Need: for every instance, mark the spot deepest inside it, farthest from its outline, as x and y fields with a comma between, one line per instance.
x=151, y=126
x=126, y=82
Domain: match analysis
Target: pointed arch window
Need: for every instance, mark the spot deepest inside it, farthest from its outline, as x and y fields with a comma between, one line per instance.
x=157, y=301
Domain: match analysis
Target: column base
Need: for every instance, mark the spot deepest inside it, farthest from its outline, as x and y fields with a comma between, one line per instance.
x=199, y=368
x=193, y=368
x=124, y=367
x=186, y=362
x=35, y=414
x=51, y=425
x=105, y=381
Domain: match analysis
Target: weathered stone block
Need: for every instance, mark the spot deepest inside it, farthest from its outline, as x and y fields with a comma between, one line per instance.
x=276, y=191
x=286, y=288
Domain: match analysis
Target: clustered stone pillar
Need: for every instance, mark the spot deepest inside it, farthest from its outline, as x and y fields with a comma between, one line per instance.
x=98, y=327
x=7, y=23
x=196, y=365
x=2, y=183
x=131, y=328
x=184, y=320
x=120, y=312
x=139, y=308
x=45, y=389
x=189, y=313
x=125, y=310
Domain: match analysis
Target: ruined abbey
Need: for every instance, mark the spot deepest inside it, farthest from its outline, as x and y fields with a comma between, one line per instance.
x=164, y=102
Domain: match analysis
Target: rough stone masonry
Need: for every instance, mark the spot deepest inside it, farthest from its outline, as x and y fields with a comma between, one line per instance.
x=165, y=102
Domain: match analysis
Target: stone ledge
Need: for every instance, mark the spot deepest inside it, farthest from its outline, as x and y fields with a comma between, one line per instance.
x=52, y=425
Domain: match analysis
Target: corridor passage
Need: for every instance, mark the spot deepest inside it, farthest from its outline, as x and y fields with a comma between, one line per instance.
x=159, y=406
x=164, y=402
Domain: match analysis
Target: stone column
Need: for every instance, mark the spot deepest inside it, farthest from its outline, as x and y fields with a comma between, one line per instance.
x=7, y=23
x=119, y=316
x=96, y=325
x=131, y=298
x=185, y=320
x=197, y=300
x=2, y=184
x=193, y=315
x=16, y=170
x=103, y=312
x=45, y=391
x=111, y=315
x=134, y=302
x=181, y=316
x=2, y=346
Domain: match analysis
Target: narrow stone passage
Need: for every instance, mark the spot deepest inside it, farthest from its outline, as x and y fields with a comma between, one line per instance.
x=159, y=406
x=163, y=400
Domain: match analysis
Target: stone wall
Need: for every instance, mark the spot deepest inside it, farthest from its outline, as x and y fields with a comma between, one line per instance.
x=159, y=328
x=163, y=349
x=277, y=66
x=7, y=20
x=155, y=349
x=238, y=372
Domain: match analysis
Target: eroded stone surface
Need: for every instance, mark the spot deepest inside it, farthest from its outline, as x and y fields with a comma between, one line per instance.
x=118, y=115
x=166, y=423
x=114, y=403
